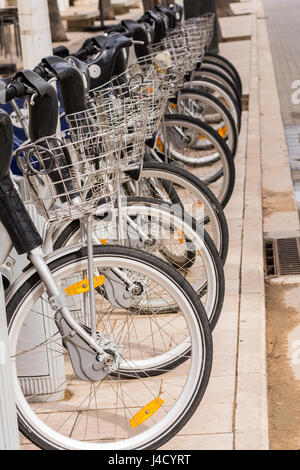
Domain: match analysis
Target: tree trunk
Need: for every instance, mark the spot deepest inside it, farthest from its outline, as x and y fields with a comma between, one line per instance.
x=58, y=33
x=223, y=8
x=150, y=4
x=108, y=13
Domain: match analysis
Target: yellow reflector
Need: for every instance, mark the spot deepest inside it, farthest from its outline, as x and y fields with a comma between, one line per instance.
x=159, y=144
x=200, y=136
x=146, y=412
x=103, y=241
x=172, y=106
x=84, y=286
x=222, y=131
x=180, y=236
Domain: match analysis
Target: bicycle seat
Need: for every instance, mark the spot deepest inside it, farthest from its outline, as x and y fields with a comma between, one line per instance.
x=154, y=19
x=108, y=61
x=178, y=9
x=94, y=44
x=169, y=13
x=70, y=79
x=164, y=19
x=137, y=33
x=150, y=30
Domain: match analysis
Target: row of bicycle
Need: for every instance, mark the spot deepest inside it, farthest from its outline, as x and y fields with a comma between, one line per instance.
x=104, y=140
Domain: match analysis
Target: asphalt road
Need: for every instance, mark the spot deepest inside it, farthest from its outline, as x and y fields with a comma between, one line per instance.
x=283, y=23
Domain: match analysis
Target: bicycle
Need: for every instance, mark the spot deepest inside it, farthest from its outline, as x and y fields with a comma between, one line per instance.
x=184, y=130
x=182, y=242
x=213, y=66
x=91, y=354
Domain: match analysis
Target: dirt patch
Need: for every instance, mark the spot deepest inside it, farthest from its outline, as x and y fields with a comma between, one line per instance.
x=283, y=388
x=245, y=102
x=277, y=202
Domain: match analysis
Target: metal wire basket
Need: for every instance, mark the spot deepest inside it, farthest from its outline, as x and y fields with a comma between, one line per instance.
x=206, y=24
x=166, y=62
x=193, y=39
x=71, y=179
x=133, y=101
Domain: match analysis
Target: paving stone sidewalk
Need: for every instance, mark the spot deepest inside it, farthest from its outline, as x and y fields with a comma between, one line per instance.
x=233, y=414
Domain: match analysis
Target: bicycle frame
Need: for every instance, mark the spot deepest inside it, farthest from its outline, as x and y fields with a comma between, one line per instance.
x=17, y=227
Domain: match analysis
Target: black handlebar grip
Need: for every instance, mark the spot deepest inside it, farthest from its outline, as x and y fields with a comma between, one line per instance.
x=10, y=94
x=17, y=89
x=108, y=57
x=119, y=28
x=61, y=51
x=82, y=54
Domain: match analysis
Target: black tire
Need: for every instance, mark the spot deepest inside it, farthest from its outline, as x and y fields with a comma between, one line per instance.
x=188, y=261
x=24, y=291
x=172, y=120
x=217, y=58
x=220, y=77
x=201, y=187
x=218, y=104
x=225, y=91
x=217, y=66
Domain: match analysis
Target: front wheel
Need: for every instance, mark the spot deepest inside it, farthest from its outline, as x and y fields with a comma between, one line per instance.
x=214, y=166
x=201, y=105
x=175, y=185
x=56, y=409
x=171, y=235
x=226, y=64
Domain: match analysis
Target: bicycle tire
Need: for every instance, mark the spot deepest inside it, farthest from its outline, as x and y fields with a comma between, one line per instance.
x=212, y=260
x=49, y=438
x=227, y=98
x=206, y=97
x=218, y=58
x=198, y=126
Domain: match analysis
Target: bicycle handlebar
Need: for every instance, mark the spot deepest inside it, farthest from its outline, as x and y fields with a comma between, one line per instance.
x=15, y=90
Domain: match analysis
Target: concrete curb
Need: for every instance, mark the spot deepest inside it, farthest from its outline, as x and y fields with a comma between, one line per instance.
x=251, y=412
x=277, y=181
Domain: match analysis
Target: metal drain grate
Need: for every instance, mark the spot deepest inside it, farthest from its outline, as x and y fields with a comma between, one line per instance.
x=282, y=256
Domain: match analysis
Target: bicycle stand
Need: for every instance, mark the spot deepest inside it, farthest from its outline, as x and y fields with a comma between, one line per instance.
x=9, y=435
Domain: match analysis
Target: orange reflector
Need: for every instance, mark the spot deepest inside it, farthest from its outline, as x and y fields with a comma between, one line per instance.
x=222, y=131
x=180, y=236
x=84, y=286
x=172, y=106
x=159, y=144
x=199, y=203
x=146, y=412
x=103, y=241
x=201, y=136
